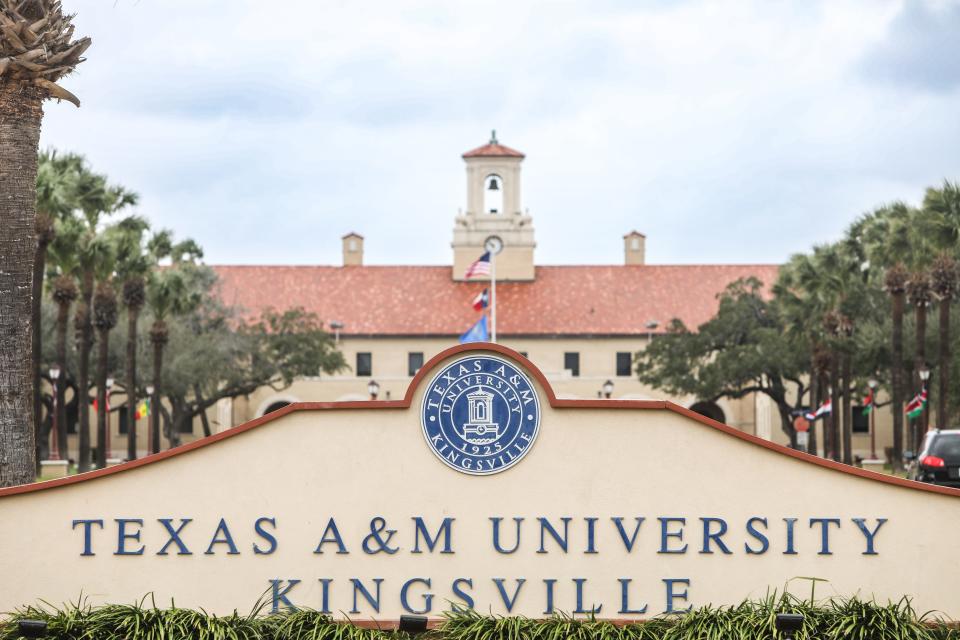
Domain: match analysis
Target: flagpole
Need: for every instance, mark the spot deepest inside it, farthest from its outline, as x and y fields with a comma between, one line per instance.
x=493, y=296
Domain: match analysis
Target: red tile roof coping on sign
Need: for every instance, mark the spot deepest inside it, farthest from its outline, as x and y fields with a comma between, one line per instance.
x=612, y=300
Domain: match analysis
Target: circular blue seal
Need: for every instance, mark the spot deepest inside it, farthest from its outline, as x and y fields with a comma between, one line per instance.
x=480, y=415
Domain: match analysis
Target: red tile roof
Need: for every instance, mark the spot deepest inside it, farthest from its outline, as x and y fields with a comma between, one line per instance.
x=493, y=150
x=567, y=300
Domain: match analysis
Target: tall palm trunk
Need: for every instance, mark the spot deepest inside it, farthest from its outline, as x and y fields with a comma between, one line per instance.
x=920, y=362
x=63, y=317
x=895, y=282
x=158, y=337
x=105, y=319
x=943, y=275
x=133, y=315
x=44, y=233
x=133, y=298
x=847, y=415
x=814, y=403
x=835, y=413
x=20, y=115
x=103, y=410
x=84, y=332
x=944, y=363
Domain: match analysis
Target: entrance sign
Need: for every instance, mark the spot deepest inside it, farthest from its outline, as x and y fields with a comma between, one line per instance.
x=370, y=510
x=480, y=415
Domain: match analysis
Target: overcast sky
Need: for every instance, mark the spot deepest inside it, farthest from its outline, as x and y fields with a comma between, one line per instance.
x=728, y=131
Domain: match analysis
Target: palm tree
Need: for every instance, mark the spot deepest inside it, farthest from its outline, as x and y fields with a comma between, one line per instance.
x=945, y=281
x=104, y=319
x=63, y=276
x=886, y=236
x=36, y=50
x=55, y=199
x=943, y=205
x=169, y=293
x=96, y=199
x=133, y=264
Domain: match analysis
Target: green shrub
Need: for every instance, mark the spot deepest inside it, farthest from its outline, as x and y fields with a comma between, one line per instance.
x=833, y=619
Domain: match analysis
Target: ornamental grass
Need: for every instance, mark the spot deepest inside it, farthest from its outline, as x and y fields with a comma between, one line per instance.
x=832, y=619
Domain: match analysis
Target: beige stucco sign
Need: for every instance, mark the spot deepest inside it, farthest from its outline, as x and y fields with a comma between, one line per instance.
x=479, y=489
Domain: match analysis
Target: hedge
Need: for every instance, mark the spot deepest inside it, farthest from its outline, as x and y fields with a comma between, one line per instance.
x=831, y=619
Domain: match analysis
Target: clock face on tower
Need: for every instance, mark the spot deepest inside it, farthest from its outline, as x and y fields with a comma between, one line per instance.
x=493, y=244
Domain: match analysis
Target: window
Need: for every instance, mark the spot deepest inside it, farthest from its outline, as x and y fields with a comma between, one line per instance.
x=860, y=422
x=414, y=362
x=624, y=362
x=571, y=361
x=122, y=415
x=364, y=363
x=635, y=243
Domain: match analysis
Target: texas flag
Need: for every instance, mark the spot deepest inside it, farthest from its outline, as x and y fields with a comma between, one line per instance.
x=482, y=301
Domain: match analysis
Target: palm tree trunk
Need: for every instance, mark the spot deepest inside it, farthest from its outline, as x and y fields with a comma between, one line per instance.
x=944, y=367
x=155, y=399
x=63, y=316
x=847, y=415
x=814, y=392
x=20, y=114
x=103, y=413
x=835, y=412
x=920, y=361
x=132, y=316
x=84, y=330
x=896, y=380
x=39, y=263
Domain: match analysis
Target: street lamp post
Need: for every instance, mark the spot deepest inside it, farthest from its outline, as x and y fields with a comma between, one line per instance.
x=54, y=432
x=651, y=326
x=150, y=422
x=373, y=387
x=608, y=389
x=873, y=419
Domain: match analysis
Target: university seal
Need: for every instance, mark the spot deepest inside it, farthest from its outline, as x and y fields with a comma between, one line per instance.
x=480, y=415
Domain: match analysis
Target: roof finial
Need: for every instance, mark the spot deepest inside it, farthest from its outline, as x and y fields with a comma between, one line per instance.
x=493, y=137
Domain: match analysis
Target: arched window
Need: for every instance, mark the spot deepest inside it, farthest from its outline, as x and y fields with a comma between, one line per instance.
x=493, y=194
x=276, y=406
x=709, y=409
x=635, y=243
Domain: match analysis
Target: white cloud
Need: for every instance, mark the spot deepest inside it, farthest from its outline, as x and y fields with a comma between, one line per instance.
x=727, y=131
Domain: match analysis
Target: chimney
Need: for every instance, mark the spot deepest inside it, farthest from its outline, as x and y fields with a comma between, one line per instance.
x=353, y=250
x=634, y=248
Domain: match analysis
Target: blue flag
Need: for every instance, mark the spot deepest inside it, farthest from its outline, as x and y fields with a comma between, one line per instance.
x=477, y=333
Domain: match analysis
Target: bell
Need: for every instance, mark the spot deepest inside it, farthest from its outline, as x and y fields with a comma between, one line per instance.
x=494, y=185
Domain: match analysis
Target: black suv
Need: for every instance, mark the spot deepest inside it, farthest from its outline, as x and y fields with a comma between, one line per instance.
x=939, y=459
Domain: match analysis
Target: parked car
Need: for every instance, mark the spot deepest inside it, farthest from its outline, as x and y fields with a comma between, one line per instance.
x=939, y=459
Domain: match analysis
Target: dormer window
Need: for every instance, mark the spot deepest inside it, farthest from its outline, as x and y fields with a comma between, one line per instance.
x=493, y=194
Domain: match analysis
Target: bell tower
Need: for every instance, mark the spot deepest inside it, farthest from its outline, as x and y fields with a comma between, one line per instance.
x=493, y=209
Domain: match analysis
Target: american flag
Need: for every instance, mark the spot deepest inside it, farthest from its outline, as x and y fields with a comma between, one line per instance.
x=479, y=268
